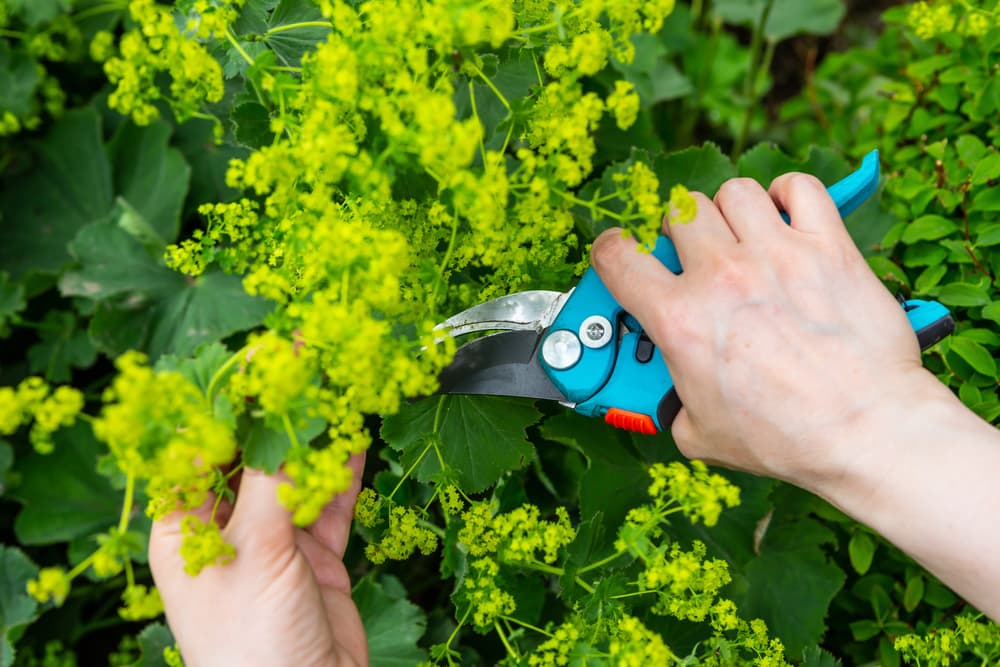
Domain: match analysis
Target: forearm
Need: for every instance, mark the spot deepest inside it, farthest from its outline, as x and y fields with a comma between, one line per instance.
x=924, y=475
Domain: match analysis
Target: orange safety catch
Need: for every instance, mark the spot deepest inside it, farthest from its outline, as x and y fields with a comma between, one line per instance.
x=630, y=421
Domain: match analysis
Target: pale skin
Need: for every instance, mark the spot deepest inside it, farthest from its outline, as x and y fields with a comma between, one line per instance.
x=792, y=361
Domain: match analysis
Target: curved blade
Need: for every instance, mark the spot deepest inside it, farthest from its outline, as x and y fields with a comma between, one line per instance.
x=504, y=364
x=530, y=311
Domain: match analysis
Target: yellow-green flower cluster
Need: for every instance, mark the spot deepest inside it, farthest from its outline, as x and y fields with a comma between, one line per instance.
x=203, y=545
x=972, y=636
x=939, y=17
x=518, y=536
x=159, y=428
x=555, y=651
x=686, y=582
x=633, y=645
x=700, y=494
x=33, y=400
x=317, y=475
x=52, y=583
x=404, y=536
x=484, y=595
x=157, y=47
x=141, y=603
x=623, y=102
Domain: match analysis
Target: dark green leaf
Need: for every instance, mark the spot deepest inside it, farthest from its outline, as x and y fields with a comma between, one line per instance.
x=36, y=12
x=152, y=640
x=787, y=17
x=264, y=446
x=393, y=625
x=792, y=582
x=11, y=301
x=479, y=437
x=43, y=209
x=208, y=362
x=62, y=494
x=62, y=348
x=252, y=124
x=18, y=78
x=17, y=608
x=861, y=550
x=814, y=656
x=151, y=176
x=865, y=630
x=975, y=355
x=6, y=461
x=701, y=168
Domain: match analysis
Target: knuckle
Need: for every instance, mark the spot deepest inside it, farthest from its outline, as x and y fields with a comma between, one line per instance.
x=798, y=180
x=735, y=187
x=605, y=249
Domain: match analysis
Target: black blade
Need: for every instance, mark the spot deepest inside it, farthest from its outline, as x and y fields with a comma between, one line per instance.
x=504, y=364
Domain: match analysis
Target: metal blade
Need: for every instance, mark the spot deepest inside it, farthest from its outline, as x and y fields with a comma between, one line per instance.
x=524, y=311
x=504, y=364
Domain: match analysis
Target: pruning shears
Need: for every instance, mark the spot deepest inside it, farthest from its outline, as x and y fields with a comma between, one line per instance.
x=582, y=349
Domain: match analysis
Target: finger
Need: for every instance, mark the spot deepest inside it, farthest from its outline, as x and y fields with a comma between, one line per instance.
x=637, y=280
x=708, y=233
x=166, y=536
x=327, y=567
x=748, y=209
x=808, y=204
x=333, y=527
x=258, y=518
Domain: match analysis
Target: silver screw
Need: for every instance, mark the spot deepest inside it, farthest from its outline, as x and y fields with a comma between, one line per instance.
x=561, y=349
x=595, y=331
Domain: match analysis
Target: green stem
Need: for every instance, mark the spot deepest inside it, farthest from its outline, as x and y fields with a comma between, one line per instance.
x=239, y=48
x=749, y=85
x=443, y=266
x=511, y=651
x=629, y=595
x=407, y=474
x=603, y=561
x=489, y=84
x=217, y=376
x=100, y=9
x=13, y=34
x=289, y=431
x=544, y=567
x=526, y=625
x=127, y=503
x=475, y=114
x=296, y=26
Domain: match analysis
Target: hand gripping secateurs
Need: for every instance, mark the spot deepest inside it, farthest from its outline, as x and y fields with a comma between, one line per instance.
x=580, y=348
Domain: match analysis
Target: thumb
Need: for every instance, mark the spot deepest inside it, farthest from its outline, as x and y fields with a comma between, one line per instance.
x=259, y=521
x=637, y=280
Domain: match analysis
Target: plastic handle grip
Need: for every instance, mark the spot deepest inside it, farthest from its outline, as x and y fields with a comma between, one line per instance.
x=630, y=386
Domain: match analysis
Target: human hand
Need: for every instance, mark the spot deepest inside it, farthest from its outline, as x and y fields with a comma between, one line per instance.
x=285, y=599
x=779, y=338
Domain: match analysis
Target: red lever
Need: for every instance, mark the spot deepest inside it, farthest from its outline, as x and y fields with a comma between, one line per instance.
x=631, y=421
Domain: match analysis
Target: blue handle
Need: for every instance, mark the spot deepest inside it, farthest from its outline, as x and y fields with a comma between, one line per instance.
x=626, y=380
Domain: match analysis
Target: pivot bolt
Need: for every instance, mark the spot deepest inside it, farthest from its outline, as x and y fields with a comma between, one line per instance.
x=561, y=349
x=595, y=332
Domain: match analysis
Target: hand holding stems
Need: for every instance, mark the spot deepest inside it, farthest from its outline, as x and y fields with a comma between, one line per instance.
x=285, y=599
x=793, y=361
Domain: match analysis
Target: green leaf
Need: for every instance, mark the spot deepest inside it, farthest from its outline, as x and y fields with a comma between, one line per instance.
x=929, y=228
x=208, y=361
x=865, y=630
x=68, y=188
x=975, y=355
x=63, y=347
x=913, y=593
x=144, y=305
x=6, y=461
x=252, y=124
x=17, y=608
x=18, y=79
x=988, y=169
x=987, y=199
x=290, y=45
x=152, y=640
x=62, y=494
x=886, y=270
x=792, y=582
x=393, y=625
x=479, y=437
x=787, y=17
x=963, y=294
x=36, y=12
x=861, y=550
x=700, y=168
x=151, y=176
x=264, y=446
x=11, y=302
x=814, y=656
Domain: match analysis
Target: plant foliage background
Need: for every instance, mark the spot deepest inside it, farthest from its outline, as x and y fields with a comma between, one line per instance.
x=227, y=228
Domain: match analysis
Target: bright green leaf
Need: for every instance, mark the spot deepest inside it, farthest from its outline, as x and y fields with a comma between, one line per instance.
x=987, y=169
x=913, y=593
x=478, y=437
x=963, y=294
x=42, y=210
x=861, y=550
x=929, y=228
x=62, y=494
x=17, y=608
x=975, y=355
x=987, y=199
x=393, y=624
x=886, y=269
